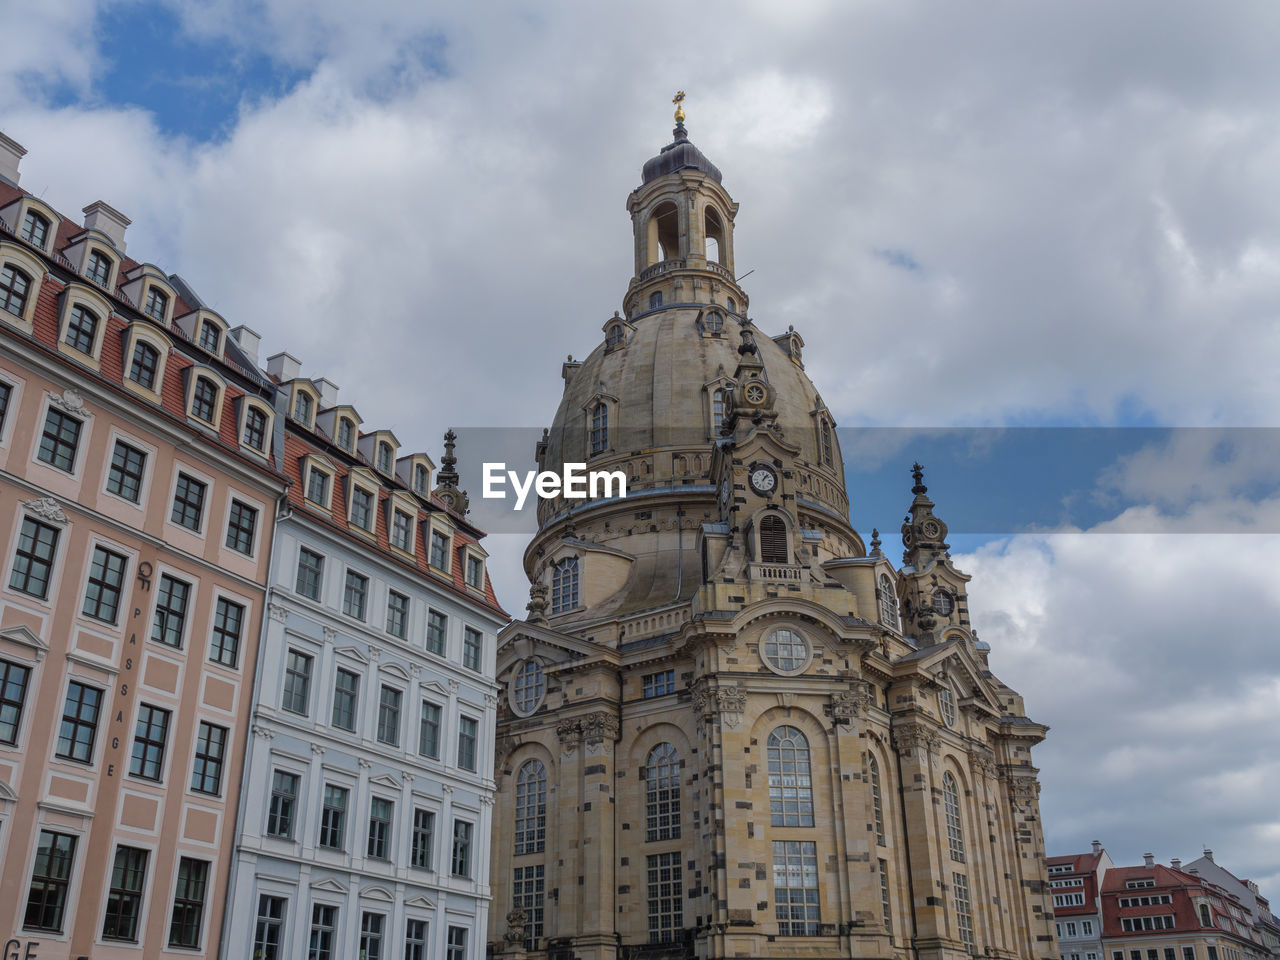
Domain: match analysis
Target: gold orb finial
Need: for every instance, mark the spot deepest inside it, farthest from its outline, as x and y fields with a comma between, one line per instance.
x=678, y=99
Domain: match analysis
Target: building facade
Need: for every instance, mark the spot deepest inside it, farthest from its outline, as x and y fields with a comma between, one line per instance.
x=728, y=726
x=369, y=781
x=1265, y=923
x=1075, y=882
x=1155, y=912
x=137, y=503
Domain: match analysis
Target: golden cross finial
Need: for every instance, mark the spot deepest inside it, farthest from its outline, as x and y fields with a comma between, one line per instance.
x=677, y=100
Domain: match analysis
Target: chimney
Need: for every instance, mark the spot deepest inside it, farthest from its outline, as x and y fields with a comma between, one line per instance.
x=247, y=340
x=1176, y=864
x=106, y=219
x=11, y=154
x=284, y=366
x=1097, y=848
x=1208, y=854
x=328, y=393
x=1150, y=860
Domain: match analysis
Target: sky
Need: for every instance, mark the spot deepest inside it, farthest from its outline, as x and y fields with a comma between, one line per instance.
x=1036, y=245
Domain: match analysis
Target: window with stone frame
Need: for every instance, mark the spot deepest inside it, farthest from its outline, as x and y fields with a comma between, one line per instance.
x=15, y=286
x=951, y=809
x=662, y=794
x=564, y=585
x=665, y=893
x=144, y=365
x=795, y=888
x=33, y=558
x=82, y=329
x=877, y=803
x=528, y=889
x=531, y=808
x=59, y=441
x=790, y=783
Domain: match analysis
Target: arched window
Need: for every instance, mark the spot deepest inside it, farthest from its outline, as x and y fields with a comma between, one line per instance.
x=420, y=479
x=35, y=229
x=664, y=233
x=614, y=337
x=210, y=336
x=302, y=408
x=14, y=285
x=947, y=704
x=888, y=602
x=730, y=305
x=98, y=269
x=790, y=785
x=599, y=428
x=877, y=804
x=951, y=807
x=384, y=457
x=564, y=585
x=255, y=429
x=773, y=539
x=662, y=793
x=204, y=400
x=531, y=808
x=713, y=322
x=529, y=687
x=82, y=329
x=157, y=304
x=828, y=457
x=717, y=411
x=143, y=366
x=345, y=430
x=714, y=232
x=655, y=300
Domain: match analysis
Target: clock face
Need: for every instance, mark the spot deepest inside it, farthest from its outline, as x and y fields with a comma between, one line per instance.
x=755, y=393
x=763, y=480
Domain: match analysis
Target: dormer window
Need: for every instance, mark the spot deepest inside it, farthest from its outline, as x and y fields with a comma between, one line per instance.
x=204, y=400
x=475, y=572
x=564, y=585
x=824, y=433
x=144, y=364
x=346, y=433
x=717, y=410
x=302, y=408
x=730, y=305
x=439, y=550
x=773, y=539
x=82, y=329
x=655, y=300
x=599, y=428
x=318, y=487
x=98, y=268
x=888, y=602
x=156, y=305
x=614, y=337
x=384, y=457
x=362, y=508
x=14, y=286
x=420, y=480
x=713, y=323
x=401, y=530
x=35, y=229
x=210, y=336
x=255, y=429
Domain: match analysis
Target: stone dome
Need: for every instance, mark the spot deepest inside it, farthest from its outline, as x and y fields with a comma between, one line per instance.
x=679, y=154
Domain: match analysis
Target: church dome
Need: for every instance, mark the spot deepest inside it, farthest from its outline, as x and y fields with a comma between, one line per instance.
x=679, y=154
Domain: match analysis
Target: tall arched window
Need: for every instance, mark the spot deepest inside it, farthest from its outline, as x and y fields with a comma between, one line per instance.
x=825, y=431
x=717, y=411
x=14, y=285
x=143, y=366
x=599, y=428
x=662, y=793
x=564, y=585
x=790, y=783
x=877, y=805
x=614, y=336
x=531, y=808
x=951, y=807
x=888, y=602
x=773, y=539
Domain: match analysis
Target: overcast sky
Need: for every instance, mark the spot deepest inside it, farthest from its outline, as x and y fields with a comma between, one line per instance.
x=989, y=214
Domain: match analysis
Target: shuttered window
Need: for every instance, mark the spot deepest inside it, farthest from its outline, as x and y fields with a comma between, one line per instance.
x=773, y=540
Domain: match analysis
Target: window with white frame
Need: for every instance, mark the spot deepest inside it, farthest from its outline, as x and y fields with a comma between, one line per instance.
x=795, y=887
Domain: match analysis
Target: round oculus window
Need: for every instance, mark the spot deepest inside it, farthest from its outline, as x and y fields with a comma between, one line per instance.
x=786, y=650
x=529, y=688
x=942, y=602
x=755, y=393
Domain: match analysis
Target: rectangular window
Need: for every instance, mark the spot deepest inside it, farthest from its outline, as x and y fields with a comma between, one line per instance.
x=415, y=939
x=1087, y=928
x=255, y=429
x=33, y=560
x=82, y=330
x=346, y=699
x=471, y=648
x=171, y=611
x=310, y=573
x=1071, y=929
x=13, y=693
x=1170, y=954
x=659, y=684
x=297, y=683
x=429, y=731
x=1188, y=953
x=124, y=477
x=389, y=716
x=528, y=889
x=424, y=828
x=456, y=948
x=211, y=748
x=475, y=572
x=371, y=925
x=188, y=502
x=188, y=903
x=437, y=624
x=149, y=736
x=401, y=530
x=6, y=391
x=318, y=487
x=324, y=921
x=106, y=581
x=467, y=728
x=228, y=622
x=380, y=813
x=157, y=302
x=355, y=594
x=240, y=527
x=79, y=723
x=795, y=887
x=397, y=614
x=439, y=550
x=884, y=892
x=964, y=910
x=145, y=365
x=266, y=937
x=666, y=896
x=124, y=900
x=284, y=803
x=460, y=862
x=333, y=817
x=1213, y=952
x=362, y=508
x=59, y=440
x=47, y=897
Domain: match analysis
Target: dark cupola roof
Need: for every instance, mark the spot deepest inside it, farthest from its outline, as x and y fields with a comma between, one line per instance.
x=679, y=154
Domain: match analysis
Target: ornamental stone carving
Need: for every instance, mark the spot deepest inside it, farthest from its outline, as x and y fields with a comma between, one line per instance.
x=848, y=706
x=69, y=401
x=916, y=736
x=570, y=735
x=46, y=508
x=277, y=613
x=330, y=634
x=727, y=703
x=982, y=761
x=517, y=920
x=263, y=732
x=1023, y=789
x=364, y=762
x=593, y=730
